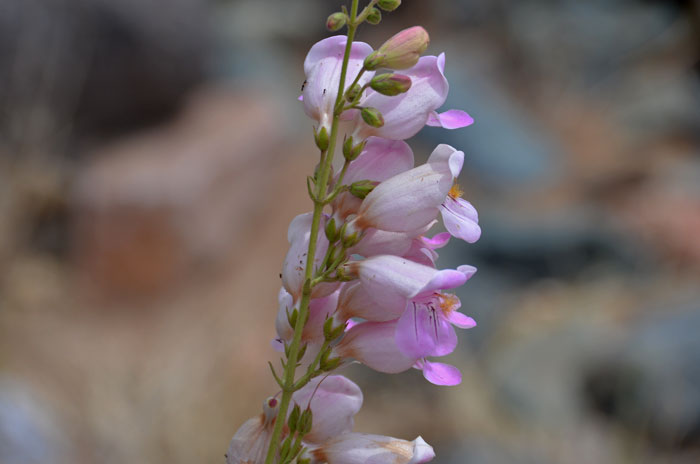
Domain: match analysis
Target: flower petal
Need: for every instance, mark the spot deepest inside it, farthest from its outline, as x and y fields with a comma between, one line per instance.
x=380, y=160
x=358, y=448
x=322, y=67
x=450, y=119
x=460, y=320
x=333, y=400
x=422, y=332
x=374, y=345
x=406, y=114
x=355, y=301
x=440, y=374
x=461, y=219
x=410, y=200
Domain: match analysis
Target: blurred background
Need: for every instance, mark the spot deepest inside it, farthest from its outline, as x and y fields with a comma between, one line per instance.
x=152, y=153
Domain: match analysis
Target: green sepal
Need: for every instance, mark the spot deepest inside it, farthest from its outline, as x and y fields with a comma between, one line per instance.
x=293, y=420
x=286, y=446
x=302, y=352
x=305, y=421
x=362, y=188
x=330, y=364
x=292, y=318
x=321, y=138
x=351, y=240
x=352, y=93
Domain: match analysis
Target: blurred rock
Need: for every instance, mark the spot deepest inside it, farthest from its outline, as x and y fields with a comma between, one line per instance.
x=152, y=206
x=651, y=383
x=28, y=432
x=94, y=67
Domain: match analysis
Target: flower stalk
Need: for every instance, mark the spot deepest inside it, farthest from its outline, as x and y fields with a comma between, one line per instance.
x=320, y=200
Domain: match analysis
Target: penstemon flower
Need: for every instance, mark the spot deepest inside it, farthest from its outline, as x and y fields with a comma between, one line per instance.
x=360, y=281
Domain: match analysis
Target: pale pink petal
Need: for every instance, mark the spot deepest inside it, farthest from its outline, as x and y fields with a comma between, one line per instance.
x=390, y=280
x=295, y=261
x=443, y=280
x=421, y=254
x=460, y=320
x=355, y=301
x=461, y=219
x=438, y=241
x=322, y=67
x=380, y=160
x=357, y=448
x=334, y=400
x=450, y=119
x=406, y=114
x=440, y=374
x=374, y=345
x=422, y=452
x=319, y=309
x=285, y=305
x=422, y=332
x=467, y=270
x=250, y=443
x=410, y=200
x=382, y=242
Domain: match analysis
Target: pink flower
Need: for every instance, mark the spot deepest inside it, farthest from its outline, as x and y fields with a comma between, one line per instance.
x=357, y=448
x=392, y=281
x=426, y=327
x=460, y=217
x=322, y=68
x=409, y=201
x=404, y=115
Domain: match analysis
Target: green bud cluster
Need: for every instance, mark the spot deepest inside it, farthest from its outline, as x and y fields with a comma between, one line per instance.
x=372, y=116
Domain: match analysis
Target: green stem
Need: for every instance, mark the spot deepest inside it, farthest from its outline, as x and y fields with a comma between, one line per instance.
x=321, y=186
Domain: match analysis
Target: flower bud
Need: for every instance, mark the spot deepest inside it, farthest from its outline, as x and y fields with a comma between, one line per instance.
x=353, y=92
x=391, y=84
x=321, y=138
x=388, y=5
x=361, y=188
x=401, y=51
x=372, y=117
x=374, y=17
x=336, y=21
x=331, y=230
